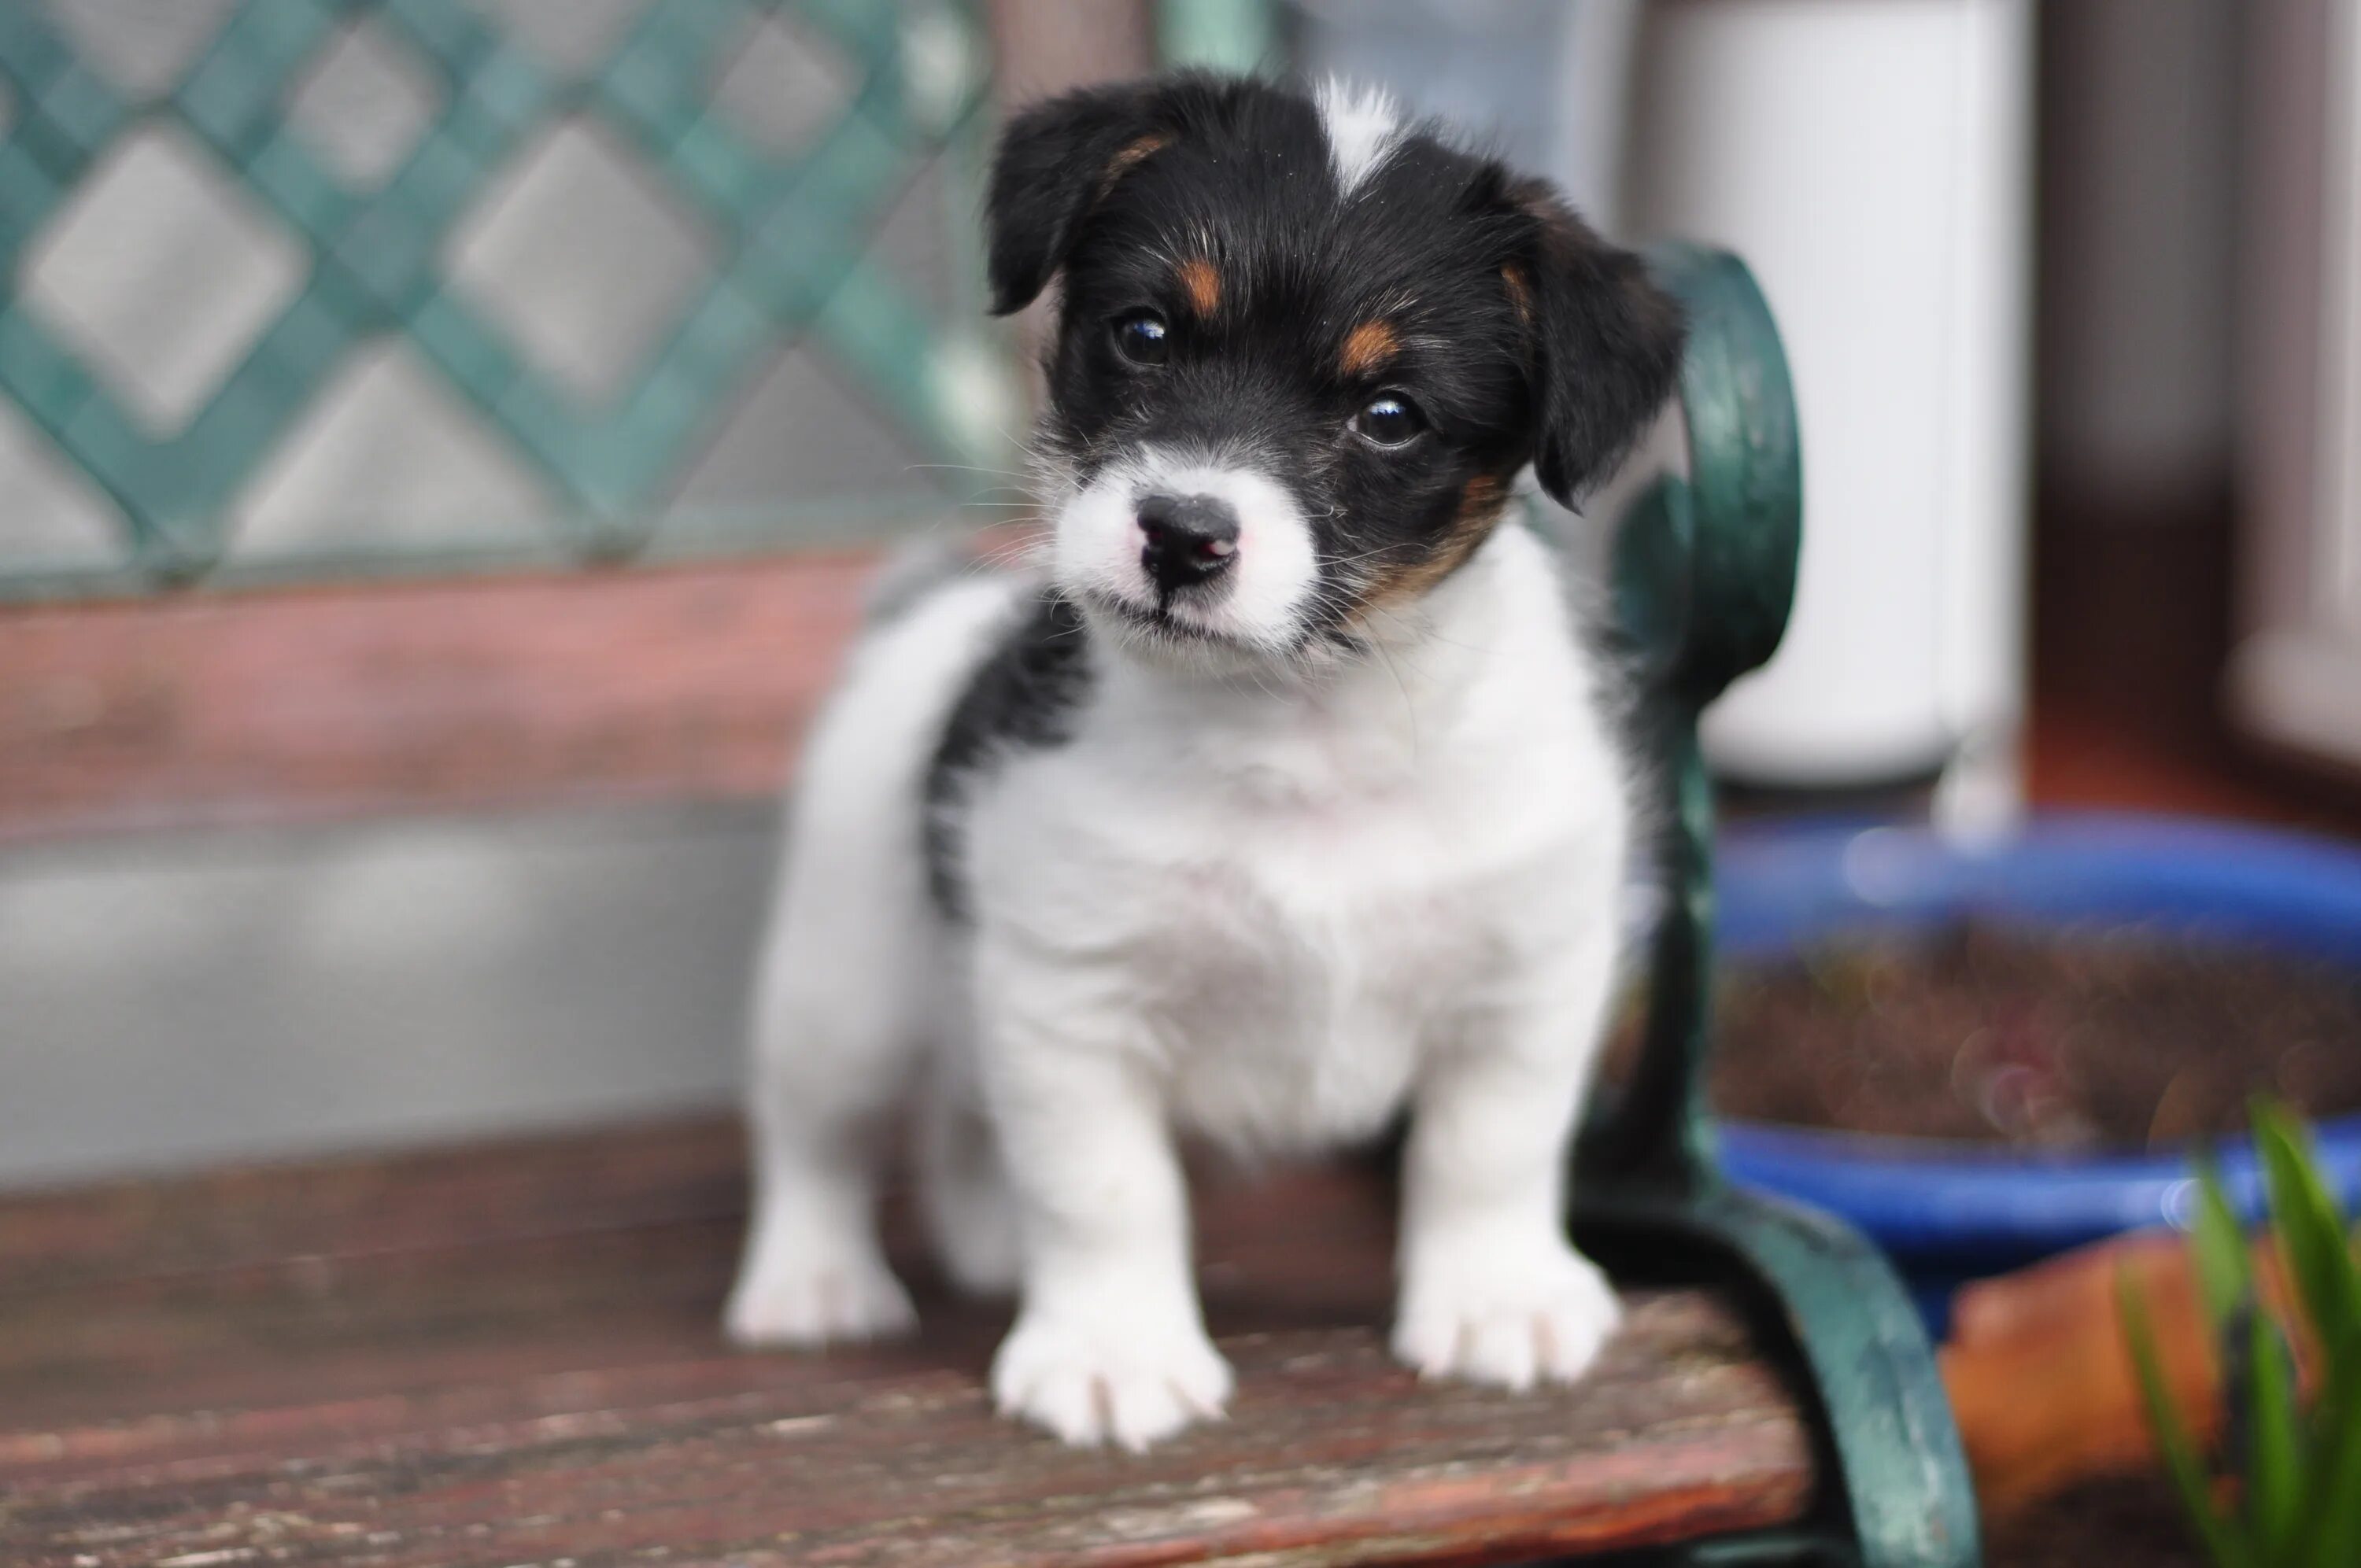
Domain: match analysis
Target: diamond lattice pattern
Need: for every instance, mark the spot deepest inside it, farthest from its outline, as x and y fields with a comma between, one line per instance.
x=571, y=237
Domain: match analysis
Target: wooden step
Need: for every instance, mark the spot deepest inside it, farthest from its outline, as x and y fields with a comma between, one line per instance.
x=508, y=1355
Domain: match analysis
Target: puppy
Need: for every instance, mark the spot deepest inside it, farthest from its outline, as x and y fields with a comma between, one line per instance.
x=1280, y=799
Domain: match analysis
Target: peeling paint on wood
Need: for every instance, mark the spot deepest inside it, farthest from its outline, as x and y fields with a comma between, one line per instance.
x=507, y=1356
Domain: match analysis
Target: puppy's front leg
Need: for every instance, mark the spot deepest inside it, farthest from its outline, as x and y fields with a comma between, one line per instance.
x=1491, y=1288
x=1109, y=1341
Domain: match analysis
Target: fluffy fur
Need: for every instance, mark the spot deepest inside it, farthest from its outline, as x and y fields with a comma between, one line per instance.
x=1280, y=801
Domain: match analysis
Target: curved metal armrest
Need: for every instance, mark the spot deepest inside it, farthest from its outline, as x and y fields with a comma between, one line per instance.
x=1705, y=573
x=1736, y=568
x=1705, y=570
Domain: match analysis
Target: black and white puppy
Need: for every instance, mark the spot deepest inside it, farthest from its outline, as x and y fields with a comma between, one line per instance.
x=1281, y=797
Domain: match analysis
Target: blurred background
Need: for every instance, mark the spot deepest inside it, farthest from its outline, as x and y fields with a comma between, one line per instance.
x=440, y=441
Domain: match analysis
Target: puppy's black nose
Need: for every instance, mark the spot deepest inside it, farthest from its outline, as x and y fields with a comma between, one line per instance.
x=1187, y=539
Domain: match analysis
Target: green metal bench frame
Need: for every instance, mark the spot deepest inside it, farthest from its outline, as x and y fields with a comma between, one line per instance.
x=1704, y=571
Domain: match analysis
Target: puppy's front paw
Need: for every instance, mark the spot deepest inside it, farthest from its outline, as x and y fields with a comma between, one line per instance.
x=814, y=1295
x=1508, y=1316
x=1113, y=1377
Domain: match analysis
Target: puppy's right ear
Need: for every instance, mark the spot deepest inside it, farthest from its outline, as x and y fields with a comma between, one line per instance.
x=1058, y=159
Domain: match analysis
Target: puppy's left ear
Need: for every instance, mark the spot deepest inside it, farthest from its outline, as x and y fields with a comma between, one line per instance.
x=1606, y=344
x=1057, y=160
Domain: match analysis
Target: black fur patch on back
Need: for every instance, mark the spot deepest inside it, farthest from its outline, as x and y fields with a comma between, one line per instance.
x=1024, y=696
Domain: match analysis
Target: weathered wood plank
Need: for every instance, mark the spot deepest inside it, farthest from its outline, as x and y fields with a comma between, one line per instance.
x=1330, y=1445
x=665, y=683
x=688, y=1169
x=328, y=1375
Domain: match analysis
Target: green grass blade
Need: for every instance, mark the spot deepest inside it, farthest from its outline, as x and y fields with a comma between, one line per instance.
x=2181, y=1465
x=2332, y=1509
x=2218, y=1244
x=2275, y=1446
x=2309, y=1234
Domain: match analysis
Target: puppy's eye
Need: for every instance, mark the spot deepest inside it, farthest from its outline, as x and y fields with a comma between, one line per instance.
x=1142, y=338
x=1390, y=420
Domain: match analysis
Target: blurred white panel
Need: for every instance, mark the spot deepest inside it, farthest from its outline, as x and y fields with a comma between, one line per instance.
x=580, y=258
x=201, y=997
x=161, y=271
x=979, y=402
x=363, y=103
x=941, y=61
x=2295, y=680
x=980, y=405
x=2340, y=376
x=783, y=83
x=1869, y=159
x=387, y=457
x=50, y=516
x=801, y=432
x=141, y=47
x=913, y=242
x=571, y=37
x=1593, y=107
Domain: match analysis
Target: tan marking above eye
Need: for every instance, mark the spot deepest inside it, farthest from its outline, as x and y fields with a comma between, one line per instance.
x=1520, y=292
x=1368, y=347
x=1132, y=156
x=1202, y=284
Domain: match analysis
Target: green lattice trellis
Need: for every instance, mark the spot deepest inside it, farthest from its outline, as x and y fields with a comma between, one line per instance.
x=789, y=235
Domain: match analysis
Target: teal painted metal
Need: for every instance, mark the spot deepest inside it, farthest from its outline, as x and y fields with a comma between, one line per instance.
x=1705, y=571
x=789, y=233
x=1238, y=35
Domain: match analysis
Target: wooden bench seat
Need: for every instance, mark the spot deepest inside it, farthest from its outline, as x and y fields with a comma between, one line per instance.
x=508, y=1355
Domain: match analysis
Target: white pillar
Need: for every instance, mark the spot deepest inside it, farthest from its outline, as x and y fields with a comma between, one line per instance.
x=1870, y=160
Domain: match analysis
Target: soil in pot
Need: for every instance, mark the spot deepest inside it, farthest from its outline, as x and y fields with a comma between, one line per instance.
x=2080, y=1037
x=2126, y=1518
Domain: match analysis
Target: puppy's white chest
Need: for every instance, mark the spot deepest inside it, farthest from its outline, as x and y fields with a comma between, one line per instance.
x=1286, y=954
x=1322, y=955
x=1287, y=904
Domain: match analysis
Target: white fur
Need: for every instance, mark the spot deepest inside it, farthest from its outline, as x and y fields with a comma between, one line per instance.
x=1268, y=912
x=845, y=995
x=1364, y=127
x=1262, y=598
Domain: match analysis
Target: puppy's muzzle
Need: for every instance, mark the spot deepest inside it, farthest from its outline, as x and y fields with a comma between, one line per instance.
x=1186, y=540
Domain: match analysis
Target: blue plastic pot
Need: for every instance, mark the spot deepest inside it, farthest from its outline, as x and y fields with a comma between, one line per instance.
x=1947, y=1213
